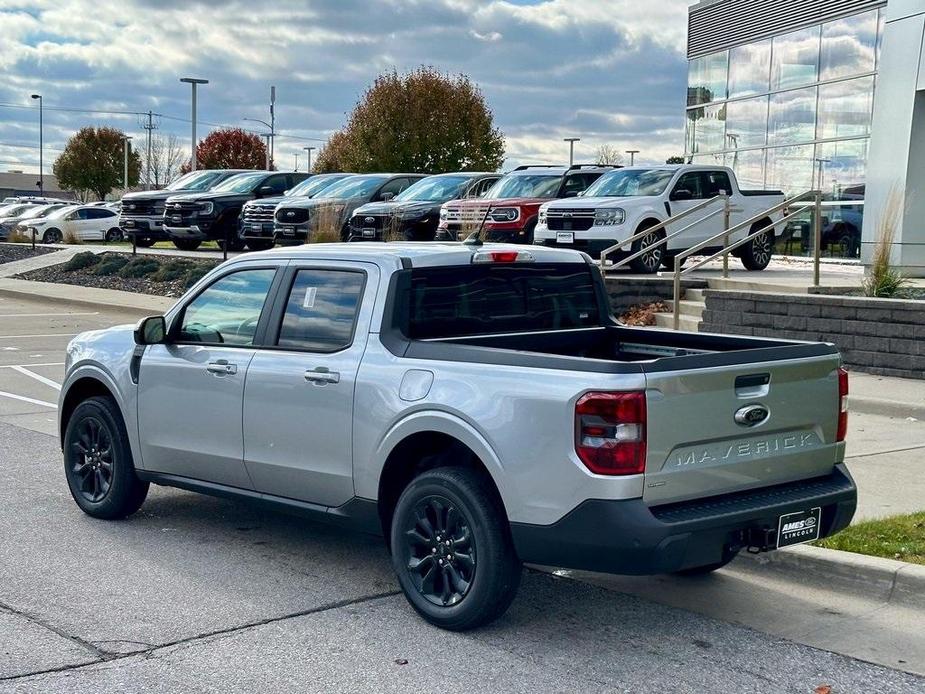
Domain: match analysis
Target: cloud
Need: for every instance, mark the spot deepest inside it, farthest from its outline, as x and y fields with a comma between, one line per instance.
x=606, y=70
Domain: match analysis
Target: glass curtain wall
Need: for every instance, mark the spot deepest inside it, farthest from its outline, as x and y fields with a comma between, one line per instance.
x=793, y=113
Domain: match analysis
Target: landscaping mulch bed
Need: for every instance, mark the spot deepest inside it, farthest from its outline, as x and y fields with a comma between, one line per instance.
x=140, y=274
x=643, y=314
x=10, y=253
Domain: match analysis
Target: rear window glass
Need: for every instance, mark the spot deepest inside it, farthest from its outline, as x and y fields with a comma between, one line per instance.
x=321, y=310
x=482, y=299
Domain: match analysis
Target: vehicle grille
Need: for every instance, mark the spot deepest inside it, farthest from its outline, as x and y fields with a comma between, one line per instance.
x=184, y=209
x=258, y=214
x=292, y=215
x=369, y=221
x=465, y=214
x=566, y=219
x=143, y=208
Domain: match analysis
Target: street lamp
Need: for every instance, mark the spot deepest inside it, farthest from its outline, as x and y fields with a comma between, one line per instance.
x=571, y=148
x=309, y=151
x=632, y=153
x=270, y=137
x=194, y=82
x=41, y=167
x=125, y=140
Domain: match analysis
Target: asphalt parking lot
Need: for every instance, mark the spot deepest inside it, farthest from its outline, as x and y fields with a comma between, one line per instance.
x=201, y=594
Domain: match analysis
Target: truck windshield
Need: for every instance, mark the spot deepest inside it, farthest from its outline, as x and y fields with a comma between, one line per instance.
x=354, y=187
x=630, y=183
x=196, y=180
x=482, y=299
x=241, y=183
x=434, y=189
x=525, y=186
x=310, y=187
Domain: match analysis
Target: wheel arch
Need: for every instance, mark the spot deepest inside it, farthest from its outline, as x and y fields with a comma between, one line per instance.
x=83, y=386
x=425, y=442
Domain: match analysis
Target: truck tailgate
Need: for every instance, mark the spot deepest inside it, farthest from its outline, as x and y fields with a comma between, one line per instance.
x=723, y=429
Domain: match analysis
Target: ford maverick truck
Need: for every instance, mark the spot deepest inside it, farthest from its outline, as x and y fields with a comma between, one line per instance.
x=623, y=203
x=477, y=405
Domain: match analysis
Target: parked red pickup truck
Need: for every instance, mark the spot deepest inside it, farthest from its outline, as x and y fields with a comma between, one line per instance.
x=508, y=212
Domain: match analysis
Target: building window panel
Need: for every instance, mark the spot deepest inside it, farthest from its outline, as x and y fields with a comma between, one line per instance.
x=841, y=169
x=749, y=69
x=706, y=127
x=747, y=123
x=706, y=79
x=790, y=169
x=748, y=167
x=795, y=58
x=849, y=46
x=845, y=108
x=792, y=117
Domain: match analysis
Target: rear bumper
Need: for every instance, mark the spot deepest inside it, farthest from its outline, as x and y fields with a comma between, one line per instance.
x=628, y=537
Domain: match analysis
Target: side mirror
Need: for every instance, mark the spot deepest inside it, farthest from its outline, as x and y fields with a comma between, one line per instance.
x=286, y=192
x=265, y=190
x=682, y=194
x=151, y=331
x=571, y=194
x=385, y=197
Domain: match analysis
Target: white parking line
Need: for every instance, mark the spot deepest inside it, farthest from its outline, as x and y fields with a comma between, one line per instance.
x=46, y=315
x=30, y=400
x=17, y=337
x=37, y=377
x=50, y=363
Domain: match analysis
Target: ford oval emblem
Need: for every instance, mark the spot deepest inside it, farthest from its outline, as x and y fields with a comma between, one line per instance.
x=752, y=415
x=566, y=214
x=290, y=213
x=369, y=220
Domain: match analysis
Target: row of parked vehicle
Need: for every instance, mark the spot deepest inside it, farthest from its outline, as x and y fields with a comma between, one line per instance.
x=51, y=220
x=589, y=207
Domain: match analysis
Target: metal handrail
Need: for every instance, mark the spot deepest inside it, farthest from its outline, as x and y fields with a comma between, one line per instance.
x=817, y=245
x=645, y=232
x=645, y=249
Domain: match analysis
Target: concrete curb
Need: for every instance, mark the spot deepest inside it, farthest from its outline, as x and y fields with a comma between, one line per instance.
x=887, y=580
x=85, y=296
x=885, y=408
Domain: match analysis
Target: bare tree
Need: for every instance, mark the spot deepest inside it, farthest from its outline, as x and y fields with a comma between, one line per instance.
x=608, y=154
x=166, y=159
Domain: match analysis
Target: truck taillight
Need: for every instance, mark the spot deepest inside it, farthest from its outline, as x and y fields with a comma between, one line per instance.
x=610, y=432
x=842, y=405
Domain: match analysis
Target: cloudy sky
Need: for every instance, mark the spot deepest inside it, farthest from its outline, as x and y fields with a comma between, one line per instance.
x=608, y=71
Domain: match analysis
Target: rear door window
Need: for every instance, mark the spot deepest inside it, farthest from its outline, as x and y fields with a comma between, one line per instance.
x=478, y=300
x=321, y=310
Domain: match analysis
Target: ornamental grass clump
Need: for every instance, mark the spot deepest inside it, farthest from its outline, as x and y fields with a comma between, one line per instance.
x=883, y=280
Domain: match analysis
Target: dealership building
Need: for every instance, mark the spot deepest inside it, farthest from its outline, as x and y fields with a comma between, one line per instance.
x=816, y=94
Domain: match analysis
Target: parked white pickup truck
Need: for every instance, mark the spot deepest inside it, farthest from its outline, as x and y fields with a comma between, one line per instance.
x=624, y=202
x=478, y=405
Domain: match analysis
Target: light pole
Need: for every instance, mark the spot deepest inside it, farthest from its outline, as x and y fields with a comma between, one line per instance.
x=308, y=151
x=272, y=122
x=632, y=153
x=269, y=137
x=125, y=140
x=195, y=83
x=571, y=148
x=41, y=167
x=296, y=155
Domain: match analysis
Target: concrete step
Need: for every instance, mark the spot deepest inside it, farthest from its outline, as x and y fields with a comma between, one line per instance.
x=744, y=285
x=695, y=295
x=686, y=323
x=692, y=308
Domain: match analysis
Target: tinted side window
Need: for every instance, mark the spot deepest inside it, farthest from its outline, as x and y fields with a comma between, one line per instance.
x=277, y=183
x=228, y=310
x=84, y=213
x=99, y=213
x=321, y=310
x=394, y=187
x=690, y=181
x=714, y=182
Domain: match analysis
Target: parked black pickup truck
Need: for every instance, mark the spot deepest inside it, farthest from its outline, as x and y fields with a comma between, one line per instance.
x=215, y=215
x=142, y=214
x=413, y=214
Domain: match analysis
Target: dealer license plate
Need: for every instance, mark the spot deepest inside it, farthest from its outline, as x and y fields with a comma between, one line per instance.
x=369, y=233
x=128, y=224
x=256, y=227
x=176, y=219
x=565, y=237
x=802, y=526
x=288, y=231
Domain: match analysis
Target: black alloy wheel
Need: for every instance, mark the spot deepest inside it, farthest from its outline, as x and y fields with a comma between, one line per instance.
x=756, y=254
x=91, y=459
x=52, y=236
x=441, y=555
x=114, y=235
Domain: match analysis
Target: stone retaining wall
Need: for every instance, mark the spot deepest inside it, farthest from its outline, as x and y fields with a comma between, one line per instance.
x=879, y=336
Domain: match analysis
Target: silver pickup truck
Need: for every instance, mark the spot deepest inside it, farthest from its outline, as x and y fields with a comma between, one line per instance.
x=477, y=405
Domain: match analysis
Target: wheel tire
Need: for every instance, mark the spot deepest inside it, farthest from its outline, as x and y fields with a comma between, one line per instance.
x=708, y=568
x=528, y=233
x=260, y=244
x=756, y=254
x=52, y=236
x=648, y=263
x=114, y=235
x=187, y=244
x=144, y=241
x=478, y=525
x=98, y=461
x=669, y=260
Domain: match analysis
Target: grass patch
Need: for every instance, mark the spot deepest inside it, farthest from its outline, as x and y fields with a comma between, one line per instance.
x=896, y=537
x=81, y=261
x=173, y=270
x=139, y=266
